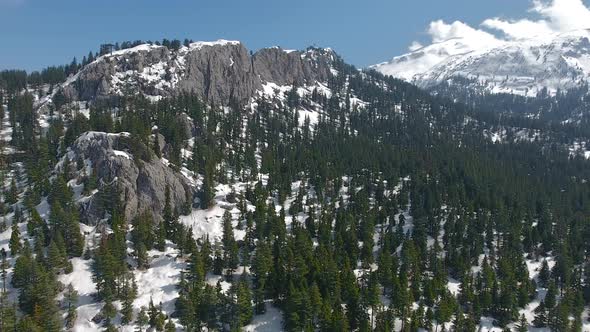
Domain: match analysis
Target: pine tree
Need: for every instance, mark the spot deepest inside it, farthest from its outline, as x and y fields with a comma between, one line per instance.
x=544, y=273
x=142, y=319
x=4, y=265
x=316, y=302
x=54, y=256
x=71, y=298
x=373, y=295
x=558, y=318
x=230, y=246
x=444, y=310
x=14, y=243
x=27, y=323
x=170, y=326
x=550, y=297
x=540, y=315
x=523, y=324
x=127, y=311
x=261, y=266
x=157, y=319
x=8, y=318
x=169, y=222
x=109, y=312
x=142, y=256
x=160, y=240
x=12, y=195
x=244, y=303
x=208, y=193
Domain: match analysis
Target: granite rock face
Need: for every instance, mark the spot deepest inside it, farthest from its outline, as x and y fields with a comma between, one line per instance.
x=141, y=183
x=219, y=72
x=293, y=67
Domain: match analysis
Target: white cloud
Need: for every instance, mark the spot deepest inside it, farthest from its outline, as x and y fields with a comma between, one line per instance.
x=552, y=16
x=453, y=45
x=518, y=29
x=564, y=15
x=415, y=46
x=441, y=31
x=469, y=37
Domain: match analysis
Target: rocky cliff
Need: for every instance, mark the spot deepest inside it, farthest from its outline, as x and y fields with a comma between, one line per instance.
x=141, y=179
x=219, y=72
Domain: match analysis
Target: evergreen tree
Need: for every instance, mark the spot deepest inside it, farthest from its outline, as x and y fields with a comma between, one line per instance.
x=230, y=246
x=169, y=221
x=523, y=324
x=550, y=298
x=244, y=303
x=142, y=319
x=540, y=316
x=71, y=299
x=109, y=312
x=12, y=195
x=14, y=243
x=170, y=326
x=544, y=273
x=207, y=191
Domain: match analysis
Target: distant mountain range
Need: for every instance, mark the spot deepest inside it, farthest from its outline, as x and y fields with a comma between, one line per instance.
x=525, y=67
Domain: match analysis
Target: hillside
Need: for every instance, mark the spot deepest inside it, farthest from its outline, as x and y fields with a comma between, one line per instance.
x=201, y=187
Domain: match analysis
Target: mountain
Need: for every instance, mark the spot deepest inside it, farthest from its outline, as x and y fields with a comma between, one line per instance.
x=525, y=67
x=202, y=187
x=218, y=72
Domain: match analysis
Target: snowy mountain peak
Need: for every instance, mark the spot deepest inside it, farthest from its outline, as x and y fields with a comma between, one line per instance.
x=219, y=42
x=558, y=61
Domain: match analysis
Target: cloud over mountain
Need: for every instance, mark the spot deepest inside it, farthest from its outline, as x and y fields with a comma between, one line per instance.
x=548, y=17
x=547, y=49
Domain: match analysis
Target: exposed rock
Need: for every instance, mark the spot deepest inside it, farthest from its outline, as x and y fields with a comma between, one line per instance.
x=141, y=183
x=219, y=72
x=161, y=142
x=292, y=67
x=187, y=124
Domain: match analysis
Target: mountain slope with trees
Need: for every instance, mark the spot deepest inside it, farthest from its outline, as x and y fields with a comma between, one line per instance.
x=357, y=202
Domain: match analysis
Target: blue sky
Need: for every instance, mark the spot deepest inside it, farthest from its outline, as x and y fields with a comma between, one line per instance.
x=37, y=33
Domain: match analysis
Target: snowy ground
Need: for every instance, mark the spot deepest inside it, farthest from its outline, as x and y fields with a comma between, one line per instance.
x=270, y=321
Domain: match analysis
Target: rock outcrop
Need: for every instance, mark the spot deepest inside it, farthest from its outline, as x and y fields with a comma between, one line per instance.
x=293, y=67
x=218, y=72
x=141, y=181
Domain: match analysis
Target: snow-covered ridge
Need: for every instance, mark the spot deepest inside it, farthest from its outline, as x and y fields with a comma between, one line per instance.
x=146, y=47
x=219, y=42
x=557, y=61
x=139, y=48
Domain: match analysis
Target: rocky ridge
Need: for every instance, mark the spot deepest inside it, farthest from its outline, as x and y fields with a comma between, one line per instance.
x=219, y=72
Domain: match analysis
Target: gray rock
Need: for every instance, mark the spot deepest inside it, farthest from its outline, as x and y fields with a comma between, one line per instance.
x=142, y=184
x=187, y=124
x=219, y=73
x=293, y=67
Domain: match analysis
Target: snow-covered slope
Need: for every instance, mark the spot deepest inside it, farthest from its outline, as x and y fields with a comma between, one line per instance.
x=557, y=61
